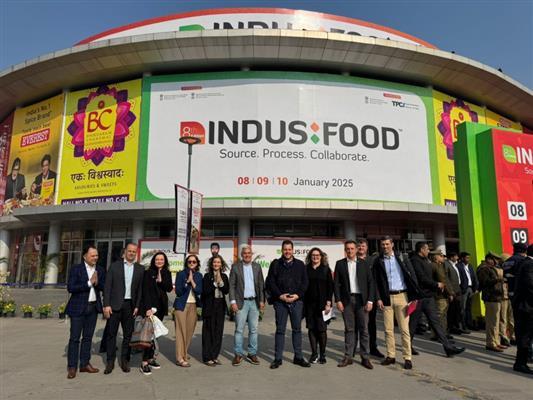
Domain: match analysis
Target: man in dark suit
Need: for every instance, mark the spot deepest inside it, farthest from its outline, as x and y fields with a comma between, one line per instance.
x=523, y=312
x=46, y=174
x=469, y=287
x=122, y=299
x=396, y=286
x=354, y=293
x=85, y=283
x=454, y=316
x=426, y=305
x=247, y=299
x=286, y=283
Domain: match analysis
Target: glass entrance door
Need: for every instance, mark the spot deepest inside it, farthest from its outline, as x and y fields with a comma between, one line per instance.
x=109, y=251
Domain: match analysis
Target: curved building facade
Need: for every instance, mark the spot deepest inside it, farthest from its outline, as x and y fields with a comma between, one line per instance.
x=310, y=126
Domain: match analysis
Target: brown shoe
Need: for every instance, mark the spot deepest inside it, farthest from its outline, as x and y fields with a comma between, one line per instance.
x=253, y=359
x=71, y=374
x=90, y=369
x=365, y=362
x=237, y=360
x=125, y=365
x=345, y=362
x=388, y=361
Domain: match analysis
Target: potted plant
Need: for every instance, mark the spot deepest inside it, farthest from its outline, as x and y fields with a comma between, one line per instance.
x=61, y=310
x=44, y=310
x=27, y=310
x=9, y=309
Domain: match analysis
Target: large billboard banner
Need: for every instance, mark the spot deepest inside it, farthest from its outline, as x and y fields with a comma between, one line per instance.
x=450, y=112
x=285, y=135
x=34, y=154
x=100, y=144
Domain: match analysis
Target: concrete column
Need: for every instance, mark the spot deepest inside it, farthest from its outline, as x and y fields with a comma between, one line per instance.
x=244, y=231
x=138, y=230
x=349, y=230
x=439, y=237
x=54, y=242
x=4, y=254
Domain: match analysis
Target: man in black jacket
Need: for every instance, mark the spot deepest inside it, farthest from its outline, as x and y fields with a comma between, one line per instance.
x=122, y=300
x=354, y=293
x=396, y=286
x=523, y=312
x=426, y=305
x=287, y=282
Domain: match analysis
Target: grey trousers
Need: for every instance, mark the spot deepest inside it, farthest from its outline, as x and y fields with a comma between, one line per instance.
x=354, y=315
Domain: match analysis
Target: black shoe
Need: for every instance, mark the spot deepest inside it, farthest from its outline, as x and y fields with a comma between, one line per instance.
x=109, y=368
x=154, y=364
x=322, y=359
x=301, y=362
x=414, y=352
x=377, y=353
x=449, y=337
x=504, y=341
x=388, y=361
x=276, y=364
x=145, y=370
x=523, y=369
x=407, y=364
x=313, y=359
x=465, y=331
x=456, y=331
x=512, y=342
x=434, y=339
x=454, y=350
x=125, y=365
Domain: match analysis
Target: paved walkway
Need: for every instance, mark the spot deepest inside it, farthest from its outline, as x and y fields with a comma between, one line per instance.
x=33, y=365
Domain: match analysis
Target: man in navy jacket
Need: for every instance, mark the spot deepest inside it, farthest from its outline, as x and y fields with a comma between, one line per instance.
x=85, y=283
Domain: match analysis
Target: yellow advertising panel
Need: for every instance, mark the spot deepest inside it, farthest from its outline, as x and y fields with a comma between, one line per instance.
x=33, y=155
x=450, y=112
x=100, y=144
x=497, y=120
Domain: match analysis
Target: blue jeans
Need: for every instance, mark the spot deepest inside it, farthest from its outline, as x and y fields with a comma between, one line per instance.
x=85, y=324
x=283, y=311
x=248, y=313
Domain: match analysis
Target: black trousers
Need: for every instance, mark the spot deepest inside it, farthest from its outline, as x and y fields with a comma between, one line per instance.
x=125, y=318
x=524, y=335
x=148, y=354
x=85, y=324
x=455, y=313
x=213, y=331
x=427, y=307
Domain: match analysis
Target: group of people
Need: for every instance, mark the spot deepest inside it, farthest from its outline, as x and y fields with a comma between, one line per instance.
x=403, y=288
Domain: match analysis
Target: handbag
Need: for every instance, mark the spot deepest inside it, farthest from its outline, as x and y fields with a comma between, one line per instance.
x=143, y=333
x=159, y=328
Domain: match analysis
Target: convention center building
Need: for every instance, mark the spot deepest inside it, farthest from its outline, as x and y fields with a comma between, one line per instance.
x=309, y=126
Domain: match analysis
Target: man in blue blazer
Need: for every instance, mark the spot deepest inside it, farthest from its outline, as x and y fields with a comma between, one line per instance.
x=85, y=283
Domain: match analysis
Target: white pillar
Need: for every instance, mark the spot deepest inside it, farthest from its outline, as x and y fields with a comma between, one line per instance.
x=439, y=237
x=4, y=254
x=349, y=230
x=138, y=230
x=52, y=253
x=243, y=231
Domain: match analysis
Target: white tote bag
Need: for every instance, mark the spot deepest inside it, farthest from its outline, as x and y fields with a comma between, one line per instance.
x=159, y=328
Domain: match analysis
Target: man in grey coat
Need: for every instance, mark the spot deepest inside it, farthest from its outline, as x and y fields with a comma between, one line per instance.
x=247, y=298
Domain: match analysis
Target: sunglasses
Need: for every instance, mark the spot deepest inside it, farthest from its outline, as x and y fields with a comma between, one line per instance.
x=191, y=262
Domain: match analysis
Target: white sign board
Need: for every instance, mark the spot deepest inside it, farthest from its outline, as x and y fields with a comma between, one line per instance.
x=286, y=138
x=182, y=219
x=257, y=18
x=267, y=250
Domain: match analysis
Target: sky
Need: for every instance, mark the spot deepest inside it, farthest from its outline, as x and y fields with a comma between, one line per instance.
x=494, y=32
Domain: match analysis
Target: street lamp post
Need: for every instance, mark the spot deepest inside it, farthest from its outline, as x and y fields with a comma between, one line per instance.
x=189, y=141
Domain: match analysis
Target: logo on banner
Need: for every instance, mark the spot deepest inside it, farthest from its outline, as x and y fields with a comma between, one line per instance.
x=101, y=124
x=518, y=155
x=454, y=113
x=193, y=128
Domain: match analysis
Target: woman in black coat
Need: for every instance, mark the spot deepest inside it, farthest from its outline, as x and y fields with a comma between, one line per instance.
x=157, y=282
x=214, y=288
x=317, y=299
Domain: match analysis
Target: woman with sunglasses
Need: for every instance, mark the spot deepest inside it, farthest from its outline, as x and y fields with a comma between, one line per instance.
x=317, y=299
x=215, y=288
x=188, y=288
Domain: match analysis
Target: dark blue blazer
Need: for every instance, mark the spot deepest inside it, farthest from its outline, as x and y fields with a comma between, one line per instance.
x=183, y=289
x=79, y=289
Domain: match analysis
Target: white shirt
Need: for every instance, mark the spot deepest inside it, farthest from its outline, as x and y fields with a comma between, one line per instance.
x=90, y=272
x=128, y=277
x=354, y=288
x=467, y=270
